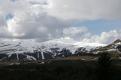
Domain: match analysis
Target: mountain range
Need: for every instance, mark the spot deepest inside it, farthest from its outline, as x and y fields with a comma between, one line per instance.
x=53, y=49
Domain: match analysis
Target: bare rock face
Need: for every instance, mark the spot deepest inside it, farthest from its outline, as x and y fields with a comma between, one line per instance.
x=119, y=47
x=118, y=41
x=118, y=44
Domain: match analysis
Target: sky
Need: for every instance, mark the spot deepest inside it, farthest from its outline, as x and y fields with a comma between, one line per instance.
x=43, y=20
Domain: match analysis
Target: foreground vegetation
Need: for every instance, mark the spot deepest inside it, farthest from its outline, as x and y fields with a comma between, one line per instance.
x=102, y=69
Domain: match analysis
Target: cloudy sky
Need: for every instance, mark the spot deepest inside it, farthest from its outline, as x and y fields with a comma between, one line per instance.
x=79, y=20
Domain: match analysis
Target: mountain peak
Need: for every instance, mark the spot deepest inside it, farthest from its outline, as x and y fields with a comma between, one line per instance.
x=118, y=41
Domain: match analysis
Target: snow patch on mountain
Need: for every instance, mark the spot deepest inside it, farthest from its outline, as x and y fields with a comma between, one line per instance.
x=19, y=47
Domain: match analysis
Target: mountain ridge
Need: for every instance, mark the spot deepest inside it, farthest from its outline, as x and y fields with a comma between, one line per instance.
x=49, y=50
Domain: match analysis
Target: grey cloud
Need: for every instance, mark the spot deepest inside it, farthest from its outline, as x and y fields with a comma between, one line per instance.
x=29, y=21
x=85, y=9
x=41, y=20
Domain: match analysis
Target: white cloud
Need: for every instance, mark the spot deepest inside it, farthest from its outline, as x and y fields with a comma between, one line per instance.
x=42, y=20
x=4, y=33
x=82, y=34
x=29, y=20
x=86, y=37
x=72, y=31
x=75, y=32
x=104, y=37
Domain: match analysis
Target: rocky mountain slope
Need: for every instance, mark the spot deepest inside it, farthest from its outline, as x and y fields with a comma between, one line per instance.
x=114, y=47
x=54, y=49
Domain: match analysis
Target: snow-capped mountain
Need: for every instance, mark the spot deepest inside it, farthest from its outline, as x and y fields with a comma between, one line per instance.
x=32, y=50
x=114, y=47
